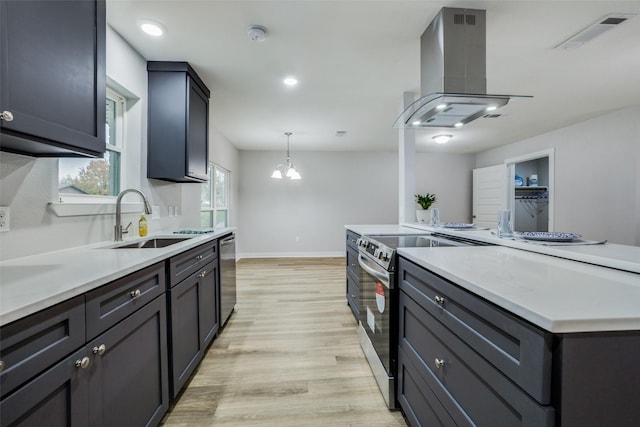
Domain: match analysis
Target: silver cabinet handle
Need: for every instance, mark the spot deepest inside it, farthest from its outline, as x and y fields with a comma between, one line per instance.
x=439, y=300
x=204, y=273
x=199, y=257
x=99, y=350
x=83, y=363
x=135, y=294
x=7, y=116
x=439, y=363
x=1, y=366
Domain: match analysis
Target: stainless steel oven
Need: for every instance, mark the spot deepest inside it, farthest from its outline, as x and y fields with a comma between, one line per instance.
x=379, y=302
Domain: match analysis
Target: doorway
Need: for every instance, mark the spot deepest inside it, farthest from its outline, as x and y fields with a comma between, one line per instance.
x=530, y=191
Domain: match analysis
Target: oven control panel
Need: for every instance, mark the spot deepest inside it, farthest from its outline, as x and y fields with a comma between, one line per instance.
x=380, y=253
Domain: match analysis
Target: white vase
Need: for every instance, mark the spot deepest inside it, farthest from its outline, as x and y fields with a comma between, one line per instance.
x=423, y=216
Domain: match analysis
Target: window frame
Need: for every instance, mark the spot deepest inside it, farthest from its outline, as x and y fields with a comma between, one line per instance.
x=214, y=209
x=120, y=142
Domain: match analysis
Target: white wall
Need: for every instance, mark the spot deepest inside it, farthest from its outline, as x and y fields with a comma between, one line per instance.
x=597, y=175
x=307, y=217
x=27, y=184
x=450, y=178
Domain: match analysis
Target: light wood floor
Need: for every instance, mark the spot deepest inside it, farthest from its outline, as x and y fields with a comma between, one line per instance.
x=289, y=356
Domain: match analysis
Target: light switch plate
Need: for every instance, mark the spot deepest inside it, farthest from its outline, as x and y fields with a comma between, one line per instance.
x=155, y=212
x=4, y=218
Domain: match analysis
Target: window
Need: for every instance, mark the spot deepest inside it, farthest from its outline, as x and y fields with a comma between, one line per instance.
x=97, y=177
x=214, y=198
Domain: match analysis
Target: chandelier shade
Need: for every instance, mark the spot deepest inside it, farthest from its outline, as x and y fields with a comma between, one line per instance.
x=289, y=170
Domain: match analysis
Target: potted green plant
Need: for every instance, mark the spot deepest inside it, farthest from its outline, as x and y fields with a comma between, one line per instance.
x=425, y=201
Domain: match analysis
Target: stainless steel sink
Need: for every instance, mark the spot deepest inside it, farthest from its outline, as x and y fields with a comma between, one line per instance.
x=158, y=242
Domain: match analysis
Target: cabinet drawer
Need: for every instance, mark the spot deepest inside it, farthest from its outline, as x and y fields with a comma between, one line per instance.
x=472, y=390
x=352, y=239
x=184, y=265
x=353, y=295
x=30, y=345
x=352, y=262
x=111, y=303
x=418, y=402
x=519, y=350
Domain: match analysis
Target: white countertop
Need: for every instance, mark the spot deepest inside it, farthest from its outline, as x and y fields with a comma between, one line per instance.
x=558, y=295
x=622, y=257
x=32, y=283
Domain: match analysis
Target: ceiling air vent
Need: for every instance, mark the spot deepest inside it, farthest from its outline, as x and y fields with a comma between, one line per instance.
x=604, y=24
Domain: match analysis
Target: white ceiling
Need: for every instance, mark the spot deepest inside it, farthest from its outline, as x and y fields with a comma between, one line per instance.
x=355, y=58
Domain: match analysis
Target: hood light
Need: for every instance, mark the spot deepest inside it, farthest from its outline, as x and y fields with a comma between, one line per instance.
x=458, y=125
x=442, y=138
x=491, y=108
x=441, y=107
x=416, y=123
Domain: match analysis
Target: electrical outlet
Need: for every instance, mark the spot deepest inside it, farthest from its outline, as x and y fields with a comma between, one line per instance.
x=4, y=218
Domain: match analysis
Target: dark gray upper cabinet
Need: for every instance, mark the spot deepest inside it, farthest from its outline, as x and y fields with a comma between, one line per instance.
x=53, y=78
x=177, y=139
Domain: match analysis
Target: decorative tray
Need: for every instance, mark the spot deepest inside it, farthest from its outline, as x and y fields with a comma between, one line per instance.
x=457, y=225
x=548, y=236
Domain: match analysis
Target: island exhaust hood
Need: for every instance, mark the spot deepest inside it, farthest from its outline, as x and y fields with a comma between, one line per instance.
x=453, y=73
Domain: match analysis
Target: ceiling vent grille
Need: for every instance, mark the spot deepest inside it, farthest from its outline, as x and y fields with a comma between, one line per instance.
x=604, y=24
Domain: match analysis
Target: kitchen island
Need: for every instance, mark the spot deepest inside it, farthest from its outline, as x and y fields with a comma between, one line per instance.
x=517, y=333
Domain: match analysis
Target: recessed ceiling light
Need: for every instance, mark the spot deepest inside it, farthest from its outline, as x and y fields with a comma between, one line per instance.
x=458, y=125
x=442, y=139
x=151, y=27
x=416, y=123
x=290, y=81
x=492, y=108
x=441, y=106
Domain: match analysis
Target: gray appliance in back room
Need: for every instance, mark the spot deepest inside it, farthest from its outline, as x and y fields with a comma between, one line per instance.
x=228, y=296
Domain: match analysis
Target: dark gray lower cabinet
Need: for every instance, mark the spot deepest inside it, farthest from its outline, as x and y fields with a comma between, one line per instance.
x=464, y=361
x=194, y=323
x=352, y=274
x=129, y=381
x=57, y=397
x=119, y=379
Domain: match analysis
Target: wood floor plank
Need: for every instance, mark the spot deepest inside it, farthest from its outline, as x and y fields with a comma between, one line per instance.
x=289, y=356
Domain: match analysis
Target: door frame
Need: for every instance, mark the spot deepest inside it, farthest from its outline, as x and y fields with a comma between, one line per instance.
x=511, y=167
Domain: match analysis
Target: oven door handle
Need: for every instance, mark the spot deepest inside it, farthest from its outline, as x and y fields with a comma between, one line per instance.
x=384, y=277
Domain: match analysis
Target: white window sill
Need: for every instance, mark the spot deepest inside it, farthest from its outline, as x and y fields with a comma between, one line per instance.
x=84, y=209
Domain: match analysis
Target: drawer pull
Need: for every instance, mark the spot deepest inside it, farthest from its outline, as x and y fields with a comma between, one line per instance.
x=135, y=294
x=204, y=273
x=83, y=363
x=1, y=366
x=99, y=350
x=354, y=265
x=439, y=300
x=199, y=257
x=353, y=296
x=439, y=363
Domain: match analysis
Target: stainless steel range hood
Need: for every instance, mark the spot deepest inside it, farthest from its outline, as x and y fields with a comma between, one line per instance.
x=453, y=73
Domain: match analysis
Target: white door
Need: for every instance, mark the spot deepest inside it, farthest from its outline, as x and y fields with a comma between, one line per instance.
x=489, y=194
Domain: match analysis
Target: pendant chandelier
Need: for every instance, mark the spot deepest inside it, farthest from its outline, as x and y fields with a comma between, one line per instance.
x=288, y=170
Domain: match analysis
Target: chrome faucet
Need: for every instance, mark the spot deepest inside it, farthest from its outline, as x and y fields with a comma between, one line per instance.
x=118, y=231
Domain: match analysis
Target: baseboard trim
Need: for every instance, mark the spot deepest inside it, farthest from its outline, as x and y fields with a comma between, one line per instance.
x=240, y=256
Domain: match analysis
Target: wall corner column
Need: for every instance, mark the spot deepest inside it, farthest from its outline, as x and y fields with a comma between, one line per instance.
x=406, y=166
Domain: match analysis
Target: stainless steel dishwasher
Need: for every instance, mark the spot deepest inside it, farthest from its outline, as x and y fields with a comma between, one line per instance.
x=227, y=277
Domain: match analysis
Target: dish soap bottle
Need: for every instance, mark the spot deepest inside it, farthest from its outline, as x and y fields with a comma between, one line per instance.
x=142, y=226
